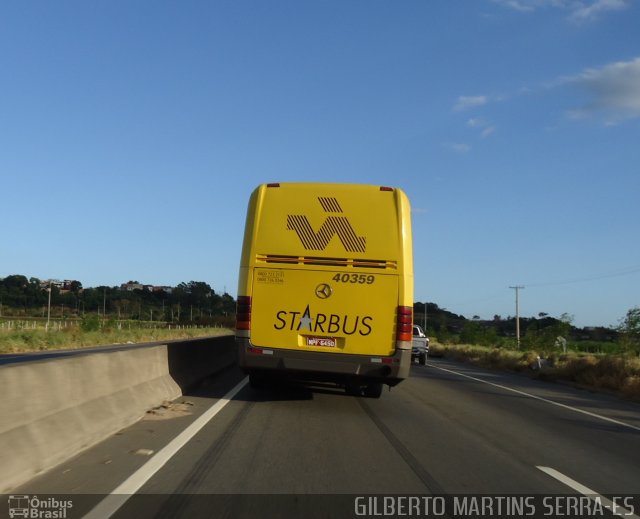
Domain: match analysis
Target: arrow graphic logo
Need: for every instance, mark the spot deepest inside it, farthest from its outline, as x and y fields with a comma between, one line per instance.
x=340, y=225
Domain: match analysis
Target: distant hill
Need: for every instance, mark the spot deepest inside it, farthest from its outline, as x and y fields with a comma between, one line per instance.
x=444, y=324
x=197, y=301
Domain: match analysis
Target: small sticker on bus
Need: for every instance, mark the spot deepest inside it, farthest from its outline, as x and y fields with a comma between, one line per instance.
x=270, y=277
x=327, y=342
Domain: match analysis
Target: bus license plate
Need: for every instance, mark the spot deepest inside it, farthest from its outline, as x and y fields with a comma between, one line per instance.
x=327, y=342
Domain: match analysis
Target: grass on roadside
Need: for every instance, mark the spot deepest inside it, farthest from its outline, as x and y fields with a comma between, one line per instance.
x=74, y=337
x=617, y=373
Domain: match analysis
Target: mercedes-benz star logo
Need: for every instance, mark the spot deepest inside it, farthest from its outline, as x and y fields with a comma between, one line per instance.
x=323, y=291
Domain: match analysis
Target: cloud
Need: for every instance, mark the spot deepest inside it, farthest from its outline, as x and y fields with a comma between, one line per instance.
x=485, y=127
x=476, y=123
x=613, y=91
x=579, y=10
x=466, y=102
x=591, y=11
x=458, y=147
x=610, y=94
x=487, y=131
x=524, y=6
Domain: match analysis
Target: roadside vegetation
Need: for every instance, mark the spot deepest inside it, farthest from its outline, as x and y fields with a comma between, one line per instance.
x=22, y=297
x=605, y=366
x=40, y=315
x=24, y=336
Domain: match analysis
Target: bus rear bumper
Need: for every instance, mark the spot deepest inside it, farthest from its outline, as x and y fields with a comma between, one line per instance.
x=319, y=366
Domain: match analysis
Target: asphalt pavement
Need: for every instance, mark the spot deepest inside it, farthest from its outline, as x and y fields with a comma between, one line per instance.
x=450, y=429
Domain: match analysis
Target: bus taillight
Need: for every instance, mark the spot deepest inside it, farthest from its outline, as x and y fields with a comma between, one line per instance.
x=243, y=313
x=404, y=329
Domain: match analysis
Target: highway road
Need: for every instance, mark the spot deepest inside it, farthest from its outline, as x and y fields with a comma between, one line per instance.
x=229, y=450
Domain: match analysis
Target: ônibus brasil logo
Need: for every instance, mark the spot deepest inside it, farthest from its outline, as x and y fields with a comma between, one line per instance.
x=36, y=508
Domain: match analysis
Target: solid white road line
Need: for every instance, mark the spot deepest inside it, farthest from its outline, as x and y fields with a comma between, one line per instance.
x=615, y=508
x=119, y=496
x=546, y=400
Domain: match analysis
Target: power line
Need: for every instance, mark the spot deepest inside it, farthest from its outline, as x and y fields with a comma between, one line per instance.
x=615, y=273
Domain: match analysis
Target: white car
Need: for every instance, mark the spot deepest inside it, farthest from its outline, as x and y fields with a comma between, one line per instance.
x=419, y=345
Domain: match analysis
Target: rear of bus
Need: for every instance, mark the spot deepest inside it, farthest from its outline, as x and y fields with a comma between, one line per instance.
x=326, y=285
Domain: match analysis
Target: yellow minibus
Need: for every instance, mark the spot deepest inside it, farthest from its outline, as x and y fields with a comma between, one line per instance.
x=325, y=290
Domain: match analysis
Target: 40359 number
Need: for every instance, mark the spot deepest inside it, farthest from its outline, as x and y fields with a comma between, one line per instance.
x=362, y=279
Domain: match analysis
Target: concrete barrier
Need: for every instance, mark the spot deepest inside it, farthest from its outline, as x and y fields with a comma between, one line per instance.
x=52, y=409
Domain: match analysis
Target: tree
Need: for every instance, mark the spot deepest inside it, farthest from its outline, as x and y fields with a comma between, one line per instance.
x=564, y=326
x=544, y=334
x=75, y=287
x=200, y=292
x=15, y=281
x=630, y=330
x=474, y=332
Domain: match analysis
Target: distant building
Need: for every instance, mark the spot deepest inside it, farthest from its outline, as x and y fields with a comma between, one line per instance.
x=131, y=286
x=46, y=283
x=64, y=287
x=134, y=285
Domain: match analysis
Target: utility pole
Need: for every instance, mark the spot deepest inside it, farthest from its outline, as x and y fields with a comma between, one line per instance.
x=49, y=307
x=425, y=317
x=517, y=288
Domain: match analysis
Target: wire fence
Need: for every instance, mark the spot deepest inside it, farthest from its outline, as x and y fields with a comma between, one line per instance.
x=11, y=325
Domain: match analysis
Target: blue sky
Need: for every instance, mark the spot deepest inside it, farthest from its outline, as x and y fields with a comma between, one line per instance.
x=132, y=133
